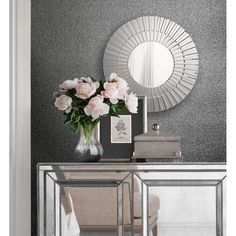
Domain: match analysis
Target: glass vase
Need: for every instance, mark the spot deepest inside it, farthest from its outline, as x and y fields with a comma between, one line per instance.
x=89, y=148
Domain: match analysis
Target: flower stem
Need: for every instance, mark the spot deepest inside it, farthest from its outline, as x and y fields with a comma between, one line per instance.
x=88, y=130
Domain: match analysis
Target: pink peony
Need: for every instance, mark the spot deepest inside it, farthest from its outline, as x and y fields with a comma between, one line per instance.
x=85, y=90
x=113, y=76
x=122, y=93
x=121, y=83
x=63, y=103
x=122, y=87
x=111, y=92
x=90, y=81
x=96, y=107
x=69, y=84
x=131, y=102
x=116, y=88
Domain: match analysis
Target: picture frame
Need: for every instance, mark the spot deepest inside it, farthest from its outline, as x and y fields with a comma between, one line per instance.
x=121, y=130
x=118, y=150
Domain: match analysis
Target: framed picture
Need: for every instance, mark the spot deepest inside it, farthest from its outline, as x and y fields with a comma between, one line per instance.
x=121, y=129
x=117, y=133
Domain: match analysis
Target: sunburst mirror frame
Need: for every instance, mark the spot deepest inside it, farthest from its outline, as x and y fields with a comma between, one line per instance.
x=173, y=37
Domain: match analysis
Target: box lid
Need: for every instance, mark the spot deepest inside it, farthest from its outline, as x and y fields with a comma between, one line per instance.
x=156, y=136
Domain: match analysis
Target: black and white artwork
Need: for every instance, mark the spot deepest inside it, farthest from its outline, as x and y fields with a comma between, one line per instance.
x=121, y=129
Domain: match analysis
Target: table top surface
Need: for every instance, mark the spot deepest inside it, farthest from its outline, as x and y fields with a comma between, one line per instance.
x=121, y=165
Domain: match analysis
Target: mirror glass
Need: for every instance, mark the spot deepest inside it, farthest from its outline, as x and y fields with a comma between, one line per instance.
x=156, y=57
x=151, y=64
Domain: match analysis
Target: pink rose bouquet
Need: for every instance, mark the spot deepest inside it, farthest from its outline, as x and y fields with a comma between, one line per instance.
x=85, y=101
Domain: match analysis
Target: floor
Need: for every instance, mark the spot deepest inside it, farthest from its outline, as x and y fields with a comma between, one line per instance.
x=187, y=232
x=162, y=231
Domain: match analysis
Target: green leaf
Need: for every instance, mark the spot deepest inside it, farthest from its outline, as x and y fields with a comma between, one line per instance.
x=67, y=122
x=114, y=108
x=68, y=118
x=75, y=127
x=94, y=119
x=77, y=119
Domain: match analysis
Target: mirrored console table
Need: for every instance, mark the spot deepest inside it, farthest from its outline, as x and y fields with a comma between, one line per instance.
x=147, y=199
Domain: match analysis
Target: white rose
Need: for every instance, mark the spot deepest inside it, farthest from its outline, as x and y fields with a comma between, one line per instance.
x=63, y=103
x=96, y=107
x=131, y=102
x=69, y=84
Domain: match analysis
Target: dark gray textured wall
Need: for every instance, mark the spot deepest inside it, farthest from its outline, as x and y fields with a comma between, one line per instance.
x=69, y=38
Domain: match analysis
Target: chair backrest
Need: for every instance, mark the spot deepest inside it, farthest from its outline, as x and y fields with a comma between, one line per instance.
x=98, y=205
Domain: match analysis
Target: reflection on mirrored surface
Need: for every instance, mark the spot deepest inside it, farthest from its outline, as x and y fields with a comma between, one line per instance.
x=151, y=64
x=120, y=200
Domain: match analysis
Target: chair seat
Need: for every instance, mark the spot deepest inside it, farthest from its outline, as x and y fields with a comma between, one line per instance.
x=154, y=205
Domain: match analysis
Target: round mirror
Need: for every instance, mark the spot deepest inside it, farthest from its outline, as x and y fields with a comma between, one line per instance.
x=157, y=58
x=151, y=64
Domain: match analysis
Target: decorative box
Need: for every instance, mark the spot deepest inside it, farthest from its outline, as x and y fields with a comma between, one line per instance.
x=157, y=145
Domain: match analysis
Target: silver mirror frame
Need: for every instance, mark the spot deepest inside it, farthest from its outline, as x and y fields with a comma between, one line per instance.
x=173, y=37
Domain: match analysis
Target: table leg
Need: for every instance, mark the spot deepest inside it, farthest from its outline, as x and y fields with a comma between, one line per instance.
x=120, y=209
x=145, y=209
x=219, y=209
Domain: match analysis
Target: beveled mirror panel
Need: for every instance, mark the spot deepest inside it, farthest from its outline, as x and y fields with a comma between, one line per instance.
x=157, y=57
